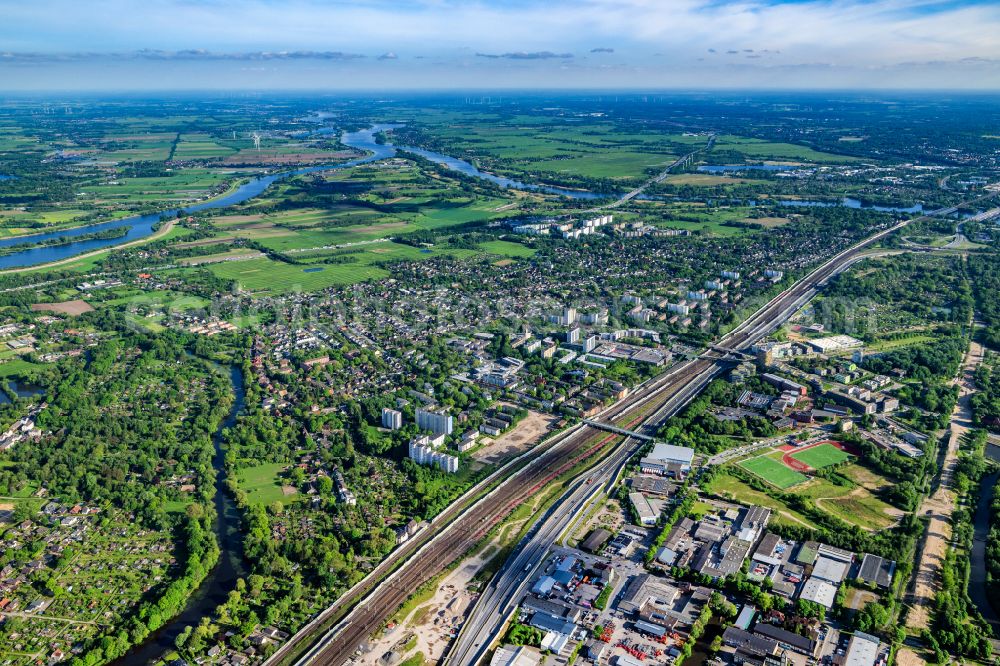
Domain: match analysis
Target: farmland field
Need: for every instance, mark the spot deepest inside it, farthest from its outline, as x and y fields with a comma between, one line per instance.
x=756, y=149
x=526, y=145
x=607, y=165
x=316, y=228
x=508, y=249
x=200, y=146
x=192, y=184
x=268, y=276
x=707, y=180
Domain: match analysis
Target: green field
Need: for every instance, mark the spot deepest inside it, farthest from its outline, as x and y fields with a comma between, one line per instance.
x=179, y=186
x=268, y=276
x=200, y=146
x=17, y=366
x=708, y=180
x=19, y=222
x=524, y=146
x=306, y=228
x=177, y=506
x=605, y=165
x=854, y=504
x=859, y=508
x=732, y=488
x=773, y=471
x=136, y=146
x=756, y=149
x=908, y=341
x=821, y=456
x=261, y=483
x=508, y=249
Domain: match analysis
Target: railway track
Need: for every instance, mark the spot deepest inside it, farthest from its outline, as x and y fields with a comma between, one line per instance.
x=390, y=584
x=483, y=517
x=508, y=585
x=459, y=528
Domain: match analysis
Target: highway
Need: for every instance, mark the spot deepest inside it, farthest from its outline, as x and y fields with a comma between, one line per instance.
x=502, y=595
x=658, y=178
x=452, y=533
x=367, y=606
x=488, y=617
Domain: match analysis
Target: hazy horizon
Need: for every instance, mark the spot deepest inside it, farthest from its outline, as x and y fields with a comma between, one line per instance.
x=163, y=45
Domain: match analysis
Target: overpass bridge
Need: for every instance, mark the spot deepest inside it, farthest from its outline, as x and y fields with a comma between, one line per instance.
x=601, y=425
x=729, y=351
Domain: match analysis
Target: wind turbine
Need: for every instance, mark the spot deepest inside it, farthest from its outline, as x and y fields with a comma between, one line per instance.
x=256, y=141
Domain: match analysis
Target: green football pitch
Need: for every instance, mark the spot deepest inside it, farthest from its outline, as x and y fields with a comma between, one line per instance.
x=821, y=455
x=774, y=472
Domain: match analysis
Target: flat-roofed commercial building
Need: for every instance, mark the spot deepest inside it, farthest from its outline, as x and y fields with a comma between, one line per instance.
x=664, y=456
x=862, y=650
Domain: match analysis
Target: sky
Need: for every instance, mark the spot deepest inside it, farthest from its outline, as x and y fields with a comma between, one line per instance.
x=110, y=45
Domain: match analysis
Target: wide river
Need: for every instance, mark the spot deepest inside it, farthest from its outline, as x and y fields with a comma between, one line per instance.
x=140, y=226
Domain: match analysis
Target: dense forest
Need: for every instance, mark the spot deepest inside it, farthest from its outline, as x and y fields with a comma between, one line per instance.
x=984, y=269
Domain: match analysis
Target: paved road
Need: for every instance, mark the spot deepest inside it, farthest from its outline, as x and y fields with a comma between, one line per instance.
x=454, y=535
x=363, y=608
x=502, y=595
x=489, y=613
x=658, y=178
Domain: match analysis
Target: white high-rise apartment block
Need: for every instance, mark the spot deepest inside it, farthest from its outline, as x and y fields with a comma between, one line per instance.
x=424, y=451
x=439, y=422
x=392, y=419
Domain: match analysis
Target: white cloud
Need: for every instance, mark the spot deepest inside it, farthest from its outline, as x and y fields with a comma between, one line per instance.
x=845, y=35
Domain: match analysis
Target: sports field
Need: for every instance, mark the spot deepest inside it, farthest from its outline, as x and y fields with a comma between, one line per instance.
x=821, y=455
x=773, y=472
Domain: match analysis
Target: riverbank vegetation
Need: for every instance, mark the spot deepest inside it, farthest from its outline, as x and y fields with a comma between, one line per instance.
x=124, y=458
x=340, y=293
x=958, y=628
